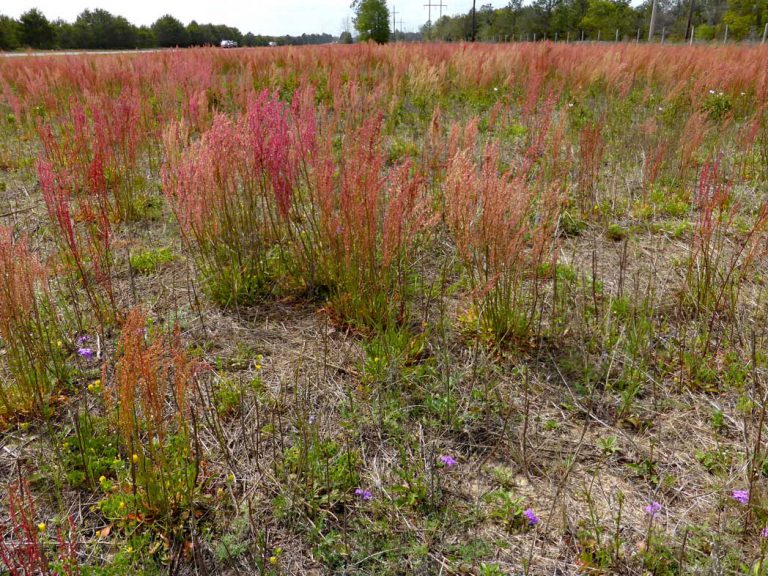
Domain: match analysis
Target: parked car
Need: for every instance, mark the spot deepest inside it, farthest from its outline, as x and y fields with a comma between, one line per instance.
x=228, y=44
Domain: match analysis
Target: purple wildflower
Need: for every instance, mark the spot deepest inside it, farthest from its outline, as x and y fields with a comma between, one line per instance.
x=363, y=494
x=741, y=496
x=81, y=340
x=653, y=508
x=86, y=353
x=448, y=461
x=764, y=532
x=531, y=516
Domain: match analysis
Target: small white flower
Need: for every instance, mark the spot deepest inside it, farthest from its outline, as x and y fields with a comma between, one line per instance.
x=711, y=91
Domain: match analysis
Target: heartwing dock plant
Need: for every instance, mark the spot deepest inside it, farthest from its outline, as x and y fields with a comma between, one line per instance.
x=152, y=387
x=503, y=225
x=264, y=203
x=232, y=191
x=223, y=220
x=30, y=331
x=720, y=262
x=23, y=550
x=591, y=149
x=363, y=221
x=83, y=233
x=95, y=151
x=260, y=195
x=24, y=554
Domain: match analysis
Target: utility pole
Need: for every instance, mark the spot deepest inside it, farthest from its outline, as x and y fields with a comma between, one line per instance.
x=429, y=12
x=765, y=33
x=725, y=38
x=394, y=22
x=474, y=22
x=652, y=27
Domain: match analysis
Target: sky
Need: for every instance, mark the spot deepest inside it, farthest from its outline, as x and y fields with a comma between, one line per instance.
x=268, y=17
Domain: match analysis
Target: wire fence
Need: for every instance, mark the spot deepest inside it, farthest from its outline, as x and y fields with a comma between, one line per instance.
x=640, y=37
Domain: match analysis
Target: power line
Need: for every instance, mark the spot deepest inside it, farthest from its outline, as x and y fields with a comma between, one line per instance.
x=429, y=13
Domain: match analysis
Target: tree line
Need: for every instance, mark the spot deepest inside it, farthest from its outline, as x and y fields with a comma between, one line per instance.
x=609, y=20
x=538, y=20
x=100, y=30
x=606, y=20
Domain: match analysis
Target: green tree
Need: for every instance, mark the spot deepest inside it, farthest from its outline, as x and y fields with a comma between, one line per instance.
x=504, y=21
x=345, y=38
x=65, y=35
x=485, y=20
x=36, y=31
x=100, y=29
x=145, y=37
x=567, y=17
x=222, y=32
x=542, y=17
x=196, y=34
x=372, y=21
x=453, y=29
x=746, y=18
x=169, y=32
x=9, y=33
x=605, y=17
x=207, y=34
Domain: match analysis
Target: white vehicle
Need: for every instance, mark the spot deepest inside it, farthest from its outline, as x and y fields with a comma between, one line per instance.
x=228, y=44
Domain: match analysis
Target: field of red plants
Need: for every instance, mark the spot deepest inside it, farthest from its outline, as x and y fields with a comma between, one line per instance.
x=406, y=309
